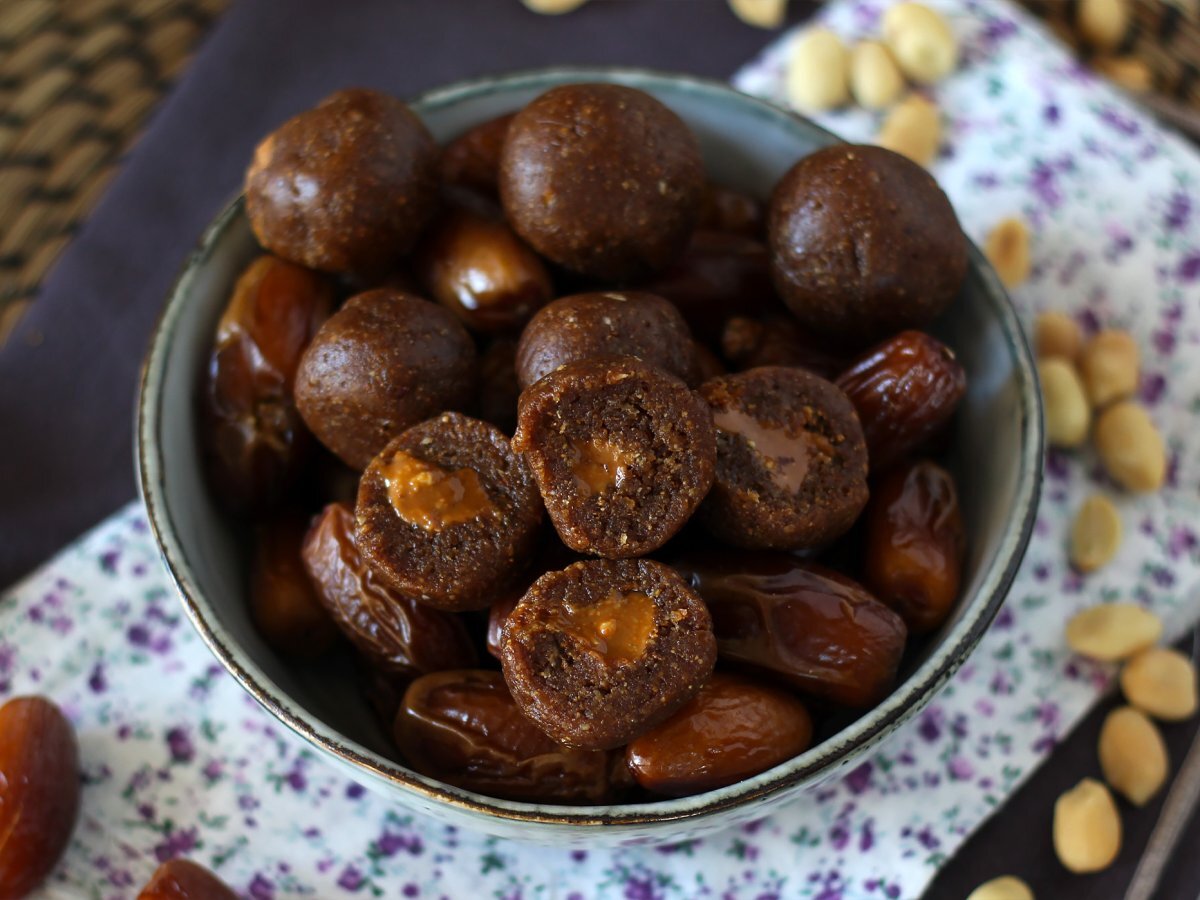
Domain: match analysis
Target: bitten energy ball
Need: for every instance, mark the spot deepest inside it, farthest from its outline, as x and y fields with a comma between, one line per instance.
x=864, y=243
x=622, y=452
x=344, y=187
x=601, y=651
x=602, y=179
x=384, y=361
x=447, y=514
x=612, y=323
x=791, y=460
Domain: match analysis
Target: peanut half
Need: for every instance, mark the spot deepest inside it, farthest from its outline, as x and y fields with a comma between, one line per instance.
x=1006, y=887
x=1057, y=334
x=1096, y=534
x=1102, y=23
x=1064, y=403
x=1133, y=755
x=553, y=7
x=1007, y=249
x=1130, y=72
x=913, y=129
x=921, y=41
x=760, y=13
x=1161, y=682
x=1087, y=828
x=875, y=79
x=817, y=77
x=1109, y=366
x=1113, y=631
x=1130, y=447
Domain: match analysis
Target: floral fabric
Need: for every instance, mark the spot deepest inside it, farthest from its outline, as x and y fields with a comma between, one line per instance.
x=178, y=761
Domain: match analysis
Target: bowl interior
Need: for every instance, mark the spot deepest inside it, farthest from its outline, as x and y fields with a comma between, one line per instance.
x=996, y=455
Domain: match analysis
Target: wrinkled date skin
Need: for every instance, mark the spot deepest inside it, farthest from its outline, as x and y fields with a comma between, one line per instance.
x=915, y=542
x=255, y=442
x=777, y=341
x=181, y=879
x=464, y=728
x=732, y=212
x=472, y=160
x=718, y=274
x=479, y=269
x=904, y=390
x=800, y=623
x=734, y=728
x=397, y=635
x=39, y=792
x=283, y=602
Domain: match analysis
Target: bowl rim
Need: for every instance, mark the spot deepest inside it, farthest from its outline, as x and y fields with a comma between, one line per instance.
x=838, y=750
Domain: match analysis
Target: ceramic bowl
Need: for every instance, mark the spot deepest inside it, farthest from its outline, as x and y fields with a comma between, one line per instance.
x=749, y=144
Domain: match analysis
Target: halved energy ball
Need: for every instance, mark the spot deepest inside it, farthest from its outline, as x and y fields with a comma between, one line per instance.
x=447, y=514
x=622, y=452
x=791, y=460
x=603, y=650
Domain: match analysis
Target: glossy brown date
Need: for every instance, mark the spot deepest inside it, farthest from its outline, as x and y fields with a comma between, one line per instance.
x=905, y=391
x=397, y=635
x=182, y=879
x=734, y=728
x=718, y=274
x=800, y=623
x=776, y=340
x=732, y=212
x=39, y=792
x=253, y=437
x=915, y=543
x=472, y=159
x=464, y=728
x=283, y=602
x=479, y=269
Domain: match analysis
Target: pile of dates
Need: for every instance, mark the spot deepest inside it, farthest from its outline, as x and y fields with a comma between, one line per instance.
x=617, y=482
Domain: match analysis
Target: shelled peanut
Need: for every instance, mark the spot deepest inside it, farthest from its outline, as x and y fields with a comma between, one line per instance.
x=1087, y=827
x=760, y=13
x=1006, y=887
x=912, y=128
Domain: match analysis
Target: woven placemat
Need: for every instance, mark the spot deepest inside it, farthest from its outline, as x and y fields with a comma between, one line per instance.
x=77, y=81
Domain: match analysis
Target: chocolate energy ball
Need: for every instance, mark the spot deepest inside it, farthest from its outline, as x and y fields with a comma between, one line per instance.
x=864, y=243
x=602, y=650
x=447, y=513
x=791, y=460
x=622, y=452
x=602, y=179
x=611, y=323
x=344, y=187
x=384, y=361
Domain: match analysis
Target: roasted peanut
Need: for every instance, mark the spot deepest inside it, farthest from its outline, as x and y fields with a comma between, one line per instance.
x=800, y=623
x=181, y=879
x=914, y=544
x=1006, y=887
x=283, y=602
x=1087, y=828
x=1161, y=682
x=1096, y=534
x=1130, y=447
x=912, y=128
x=553, y=7
x=464, y=728
x=1102, y=23
x=1133, y=755
x=875, y=79
x=817, y=77
x=921, y=41
x=396, y=634
x=904, y=391
x=472, y=160
x=39, y=792
x=1064, y=403
x=1130, y=72
x=481, y=271
x=254, y=440
x=760, y=13
x=1007, y=249
x=1113, y=631
x=1109, y=367
x=734, y=728
x=1057, y=334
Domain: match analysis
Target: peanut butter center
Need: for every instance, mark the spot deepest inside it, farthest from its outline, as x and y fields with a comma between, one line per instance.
x=785, y=457
x=598, y=466
x=619, y=627
x=433, y=497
